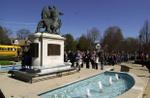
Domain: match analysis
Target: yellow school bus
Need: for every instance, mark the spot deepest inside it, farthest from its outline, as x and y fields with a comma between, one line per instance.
x=10, y=50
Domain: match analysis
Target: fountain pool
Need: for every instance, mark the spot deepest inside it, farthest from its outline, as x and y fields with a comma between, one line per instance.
x=10, y=67
x=79, y=89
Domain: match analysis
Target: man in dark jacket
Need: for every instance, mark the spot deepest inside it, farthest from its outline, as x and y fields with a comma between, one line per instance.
x=71, y=57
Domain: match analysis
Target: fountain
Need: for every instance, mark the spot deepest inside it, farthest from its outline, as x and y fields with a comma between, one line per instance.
x=65, y=91
x=117, y=77
x=91, y=87
x=65, y=94
x=62, y=96
x=110, y=80
x=100, y=86
x=55, y=96
x=88, y=94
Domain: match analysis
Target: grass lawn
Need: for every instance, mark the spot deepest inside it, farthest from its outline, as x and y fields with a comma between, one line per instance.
x=6, y=62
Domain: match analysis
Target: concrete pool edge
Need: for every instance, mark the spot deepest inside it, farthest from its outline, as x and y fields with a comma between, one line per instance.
x=81, y=78
x=32, y=91
x=27, y=90
x=8, y=66
x=137, y=90
x=108, y=70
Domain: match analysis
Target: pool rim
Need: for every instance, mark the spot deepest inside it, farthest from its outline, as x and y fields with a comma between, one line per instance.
x=67, y=84
x=138, y=87
x=5, y=71
x=8, y=66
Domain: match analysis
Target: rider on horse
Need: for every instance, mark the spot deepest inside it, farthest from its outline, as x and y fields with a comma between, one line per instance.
x=50, y=20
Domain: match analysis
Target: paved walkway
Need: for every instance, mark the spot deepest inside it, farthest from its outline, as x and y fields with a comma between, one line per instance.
x=147, y=91
x=19, y=89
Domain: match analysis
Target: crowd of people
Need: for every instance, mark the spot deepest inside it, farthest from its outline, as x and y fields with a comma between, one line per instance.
x=144, y=60
x=93, y=58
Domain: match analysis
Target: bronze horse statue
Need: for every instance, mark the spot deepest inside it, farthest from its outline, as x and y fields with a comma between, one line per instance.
x=50, y=20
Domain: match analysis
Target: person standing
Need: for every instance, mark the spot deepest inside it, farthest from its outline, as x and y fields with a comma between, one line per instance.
x=23, y=61
x=96, y=61
x=78, y=60
x=87, y=59
x=65, y=56
x=101, y=59
x=113, y=60
x=93, y=59
x=71, y=57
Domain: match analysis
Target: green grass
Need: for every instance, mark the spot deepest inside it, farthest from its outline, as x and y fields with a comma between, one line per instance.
x=5, y=62
x=9, y=58
x=6, y=58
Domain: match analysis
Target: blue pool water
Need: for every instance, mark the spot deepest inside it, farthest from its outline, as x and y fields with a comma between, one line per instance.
x=11, y=67
x=79, y=89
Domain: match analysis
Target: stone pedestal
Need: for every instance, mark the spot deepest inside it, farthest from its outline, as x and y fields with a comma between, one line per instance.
x=47, y=50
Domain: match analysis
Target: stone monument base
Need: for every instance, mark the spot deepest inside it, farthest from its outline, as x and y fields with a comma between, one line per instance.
x=35, y=75
x=47, y=51
x=48, y=70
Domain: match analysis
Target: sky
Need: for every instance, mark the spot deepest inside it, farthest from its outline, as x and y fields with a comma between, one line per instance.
x=79, y=15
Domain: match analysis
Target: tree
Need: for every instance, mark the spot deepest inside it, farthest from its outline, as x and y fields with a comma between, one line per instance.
x=70, y=43
x=112, y=39
x=144, y=37
x=23, y=34
x=4, y=38
x=83, y=43
x=93, y=35
x=130, y=45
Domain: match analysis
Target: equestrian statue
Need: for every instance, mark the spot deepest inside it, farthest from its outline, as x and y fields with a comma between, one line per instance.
x=50, y=20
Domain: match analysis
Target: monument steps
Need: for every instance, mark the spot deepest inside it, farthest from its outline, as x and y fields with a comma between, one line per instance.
x=51, y=76
x=32, y=77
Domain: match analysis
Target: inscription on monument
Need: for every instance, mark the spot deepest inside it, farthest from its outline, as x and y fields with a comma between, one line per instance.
x=53, y=49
